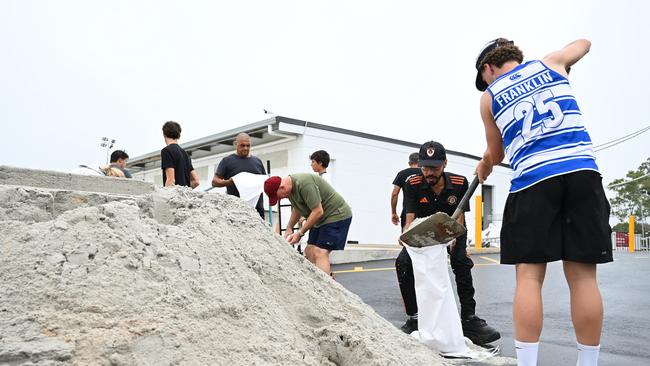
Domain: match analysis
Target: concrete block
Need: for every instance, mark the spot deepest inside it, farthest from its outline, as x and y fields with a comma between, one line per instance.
x=72, y=182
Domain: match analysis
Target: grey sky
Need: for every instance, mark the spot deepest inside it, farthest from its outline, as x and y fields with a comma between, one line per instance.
x=74, y=71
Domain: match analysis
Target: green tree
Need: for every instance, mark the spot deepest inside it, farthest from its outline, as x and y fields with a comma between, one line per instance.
x=632, y=198
x=624, y=227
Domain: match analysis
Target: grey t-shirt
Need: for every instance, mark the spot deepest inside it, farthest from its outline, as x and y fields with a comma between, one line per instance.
x=234, y=164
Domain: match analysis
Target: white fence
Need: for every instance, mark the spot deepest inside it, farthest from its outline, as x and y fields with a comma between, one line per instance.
x=620, y=242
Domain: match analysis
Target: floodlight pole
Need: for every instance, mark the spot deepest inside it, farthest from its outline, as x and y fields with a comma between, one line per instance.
x=108, y=144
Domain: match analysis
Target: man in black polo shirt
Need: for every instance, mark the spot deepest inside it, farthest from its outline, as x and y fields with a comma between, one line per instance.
x=398, y=185
x=431, y=191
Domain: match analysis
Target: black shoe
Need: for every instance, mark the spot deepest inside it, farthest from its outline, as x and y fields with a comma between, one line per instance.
x=410, y=326
x=477, y=330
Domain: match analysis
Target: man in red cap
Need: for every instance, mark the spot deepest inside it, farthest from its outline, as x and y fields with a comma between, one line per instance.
x=328, y=215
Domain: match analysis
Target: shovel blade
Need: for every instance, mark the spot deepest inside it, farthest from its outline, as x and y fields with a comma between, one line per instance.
x=436, y=229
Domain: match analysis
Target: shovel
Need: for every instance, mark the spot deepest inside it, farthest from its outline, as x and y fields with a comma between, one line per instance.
x=438, y=228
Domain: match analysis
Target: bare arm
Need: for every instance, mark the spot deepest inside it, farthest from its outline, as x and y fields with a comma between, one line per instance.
x=494, y=153
x=410, y=217
x=293, y=219
x=407, y=223
x=461, y=219
x=561, y=60
x=393, y=204
x=217, y=181
x=171, y=178
x=194, y=179
x=315, y=215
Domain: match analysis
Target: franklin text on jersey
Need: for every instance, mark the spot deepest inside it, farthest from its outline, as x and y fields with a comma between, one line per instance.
x=540, y=123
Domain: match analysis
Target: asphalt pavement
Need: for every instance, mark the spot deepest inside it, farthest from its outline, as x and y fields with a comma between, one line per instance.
x=624, y=285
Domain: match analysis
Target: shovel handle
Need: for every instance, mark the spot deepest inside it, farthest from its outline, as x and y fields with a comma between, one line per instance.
x=463, y=201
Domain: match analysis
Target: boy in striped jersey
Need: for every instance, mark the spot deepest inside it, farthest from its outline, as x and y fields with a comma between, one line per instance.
x=556, y=208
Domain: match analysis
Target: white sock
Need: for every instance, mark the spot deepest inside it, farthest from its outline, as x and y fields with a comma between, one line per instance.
x=526, y=353
x=588, y=355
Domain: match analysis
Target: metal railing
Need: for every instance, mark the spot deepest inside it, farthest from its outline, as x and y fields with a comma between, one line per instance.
x=298, y=246
x=620, y=242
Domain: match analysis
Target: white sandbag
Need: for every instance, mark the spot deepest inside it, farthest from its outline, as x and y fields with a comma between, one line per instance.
x=438, y=320
x=250, y=186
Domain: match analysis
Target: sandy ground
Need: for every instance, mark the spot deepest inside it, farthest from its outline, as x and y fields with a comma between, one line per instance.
x=173, y=277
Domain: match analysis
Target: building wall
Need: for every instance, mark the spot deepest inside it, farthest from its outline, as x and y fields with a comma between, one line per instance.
x=363, y=175
x=362, y=172
x=277, y=152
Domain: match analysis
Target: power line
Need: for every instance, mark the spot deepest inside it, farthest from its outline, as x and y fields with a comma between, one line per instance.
x=628, y=182
x=620, y=140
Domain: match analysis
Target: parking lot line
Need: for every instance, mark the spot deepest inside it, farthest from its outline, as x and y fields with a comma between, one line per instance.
x=361, y=269
x=357, y=269
x=490, y=259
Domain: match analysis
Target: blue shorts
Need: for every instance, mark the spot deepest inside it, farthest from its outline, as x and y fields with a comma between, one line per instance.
x=330, y=236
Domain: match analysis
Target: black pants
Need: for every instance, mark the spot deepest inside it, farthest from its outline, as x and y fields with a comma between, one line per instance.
x=461, y=265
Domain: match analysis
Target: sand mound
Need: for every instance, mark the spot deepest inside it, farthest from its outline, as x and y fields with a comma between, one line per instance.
x=173, y=277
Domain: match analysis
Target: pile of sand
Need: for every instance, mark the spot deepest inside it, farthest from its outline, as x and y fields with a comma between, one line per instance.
x=172, y=277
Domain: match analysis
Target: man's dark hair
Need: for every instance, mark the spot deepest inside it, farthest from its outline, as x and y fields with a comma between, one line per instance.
x=172, y=130
x=321, y=157
x=506, y=51
x=117, y=155
x=414, y=158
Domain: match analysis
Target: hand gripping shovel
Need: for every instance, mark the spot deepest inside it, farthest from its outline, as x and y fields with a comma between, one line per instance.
x=438, y=228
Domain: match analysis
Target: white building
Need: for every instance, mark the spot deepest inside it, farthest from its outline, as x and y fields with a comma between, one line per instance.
x=362, y=166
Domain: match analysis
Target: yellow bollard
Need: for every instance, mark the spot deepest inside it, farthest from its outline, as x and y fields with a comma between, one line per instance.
x=630, y=234
x=478, y=224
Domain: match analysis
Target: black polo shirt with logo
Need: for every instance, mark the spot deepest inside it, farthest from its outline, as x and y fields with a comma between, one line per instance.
x=420, y=199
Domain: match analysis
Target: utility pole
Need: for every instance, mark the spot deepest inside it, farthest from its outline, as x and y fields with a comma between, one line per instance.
x=643, y=218
x=108, y=144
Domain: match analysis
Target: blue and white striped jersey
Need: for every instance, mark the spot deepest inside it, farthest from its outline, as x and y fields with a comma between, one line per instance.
x=540, y=123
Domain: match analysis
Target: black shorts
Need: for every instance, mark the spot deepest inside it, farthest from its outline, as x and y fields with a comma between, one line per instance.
x=330, y=236
x=560, y=218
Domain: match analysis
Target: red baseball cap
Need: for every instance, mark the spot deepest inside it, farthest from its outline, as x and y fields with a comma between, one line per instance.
x=271, y=186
